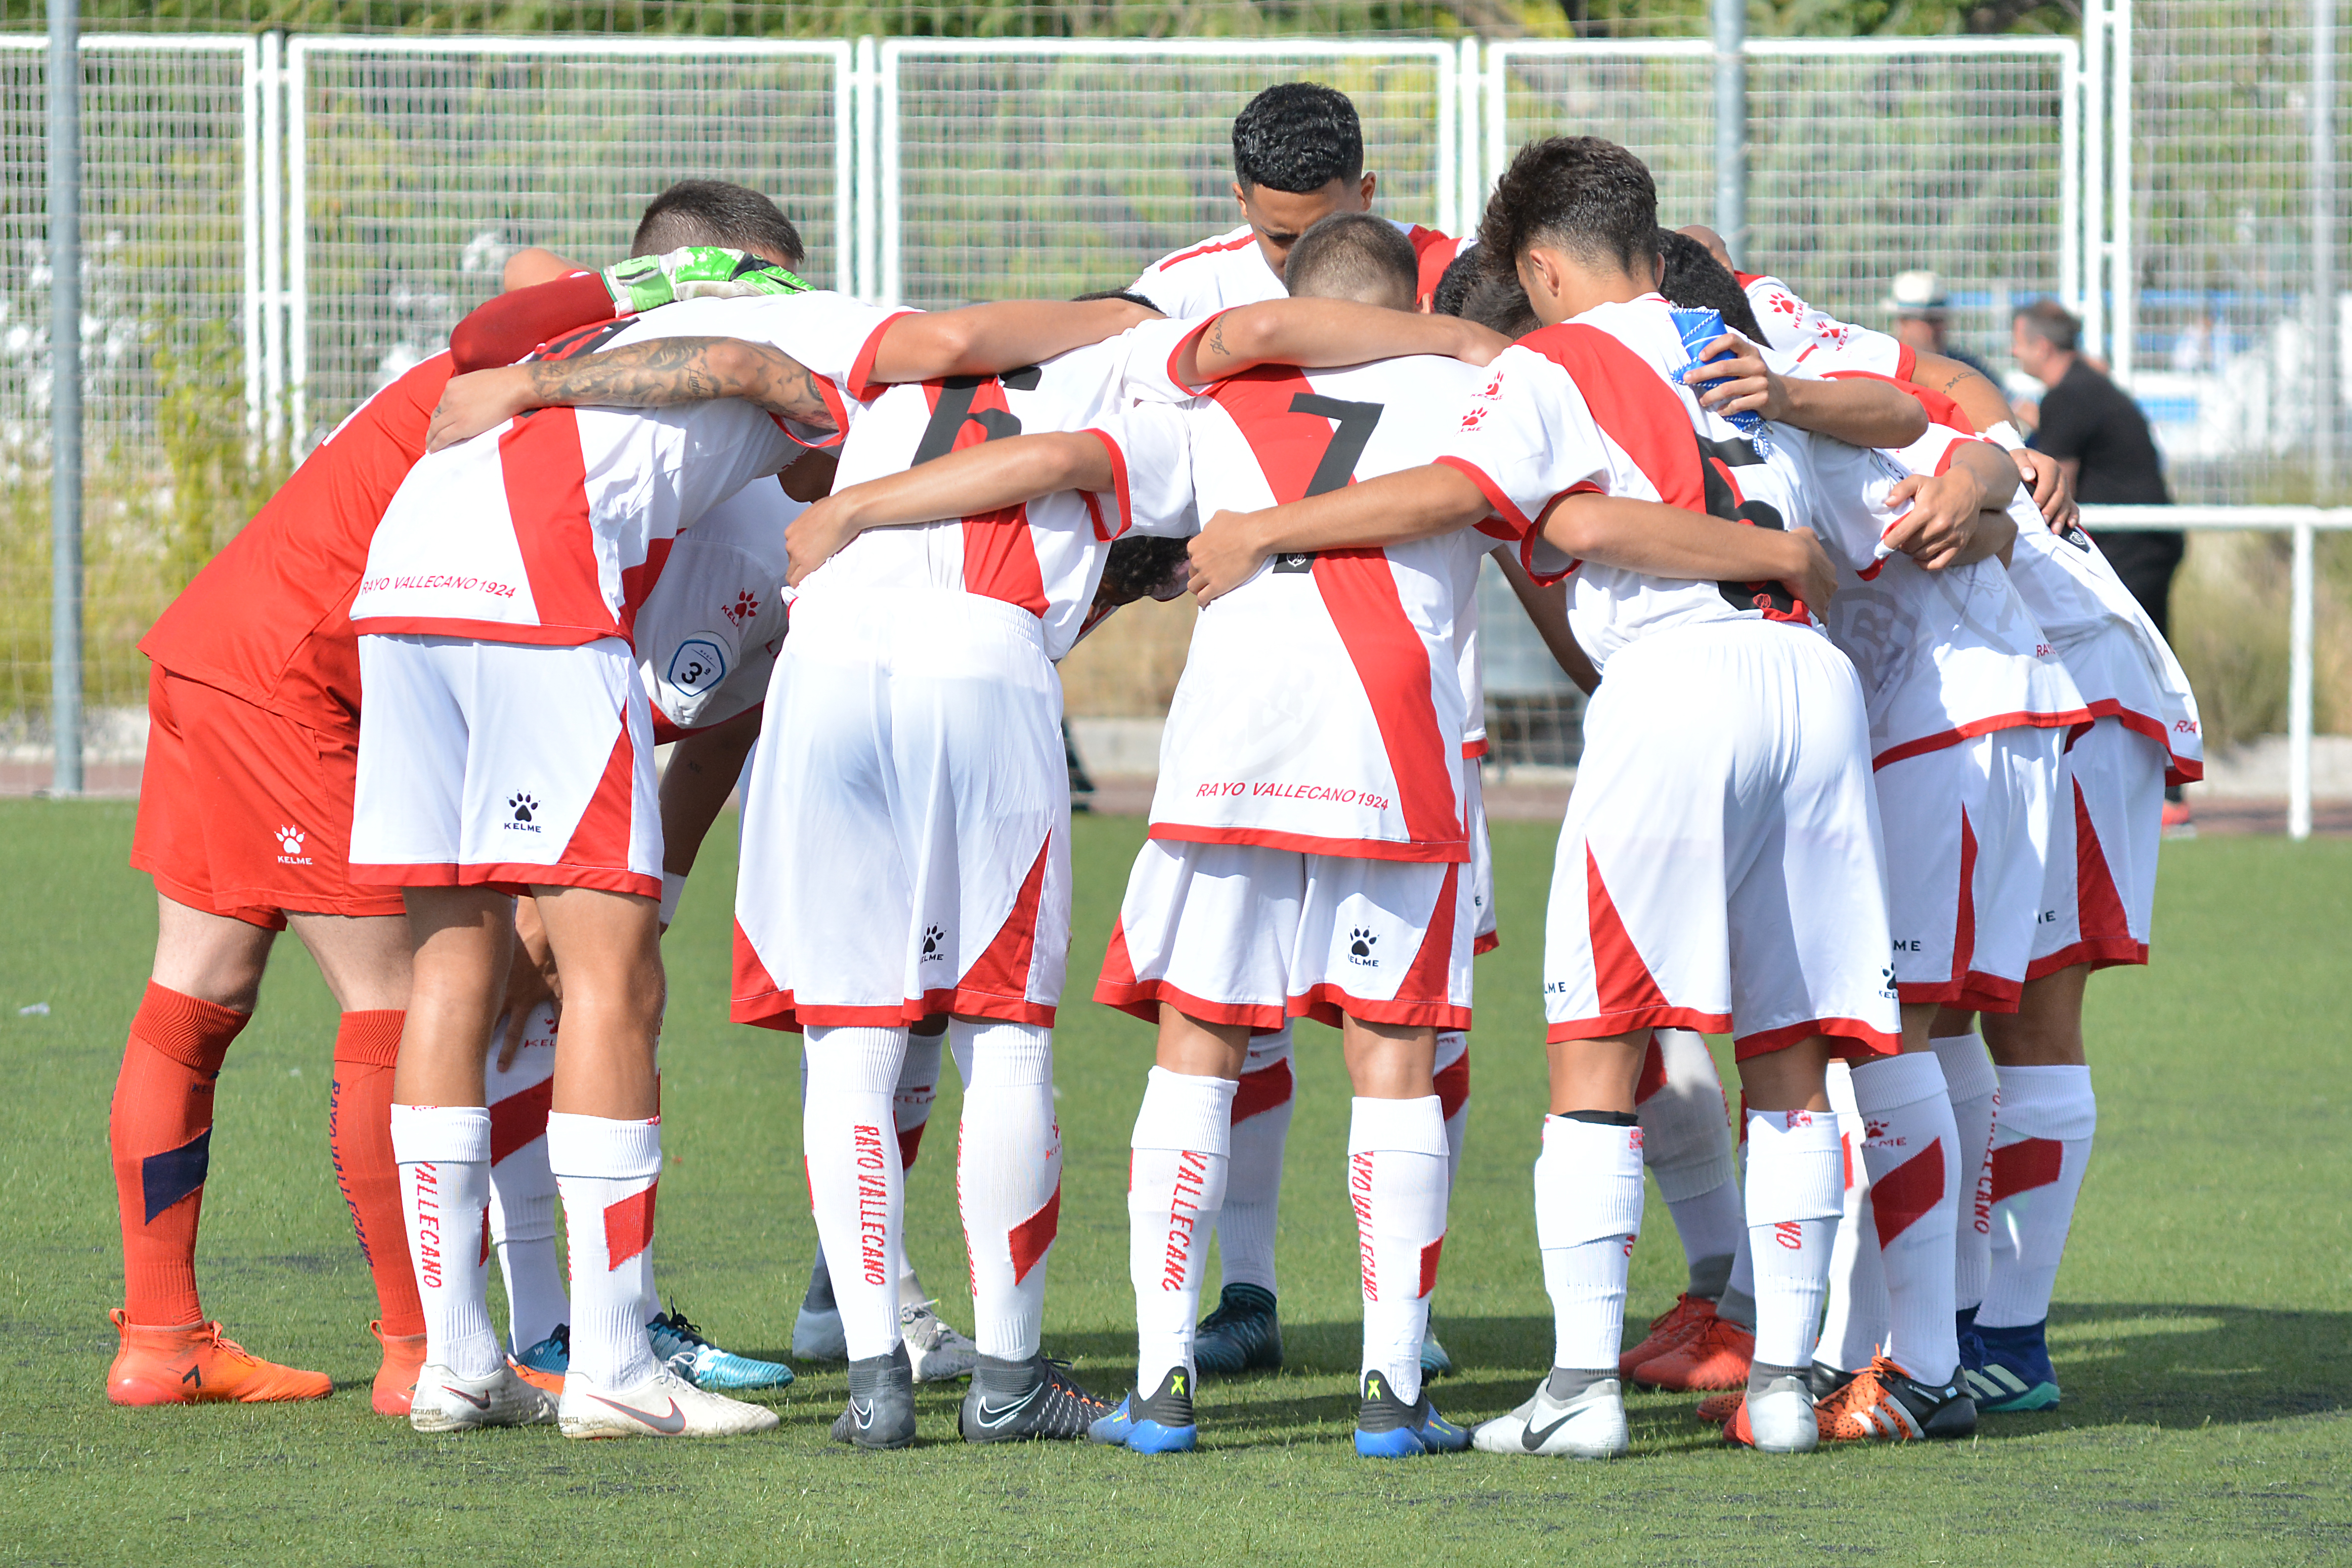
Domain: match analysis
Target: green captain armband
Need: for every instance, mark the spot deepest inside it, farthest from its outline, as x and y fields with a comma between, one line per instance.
x=694, y=272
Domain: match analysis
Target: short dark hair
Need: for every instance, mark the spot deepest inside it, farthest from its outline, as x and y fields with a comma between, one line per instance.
x=1497, y=301
x=2053, y=323
x=1454, y=283
x=1591, y=198
x=1297, y=136
x=712, y=212
x=1347, y=255
x=1696, y=280
x=1129, y=295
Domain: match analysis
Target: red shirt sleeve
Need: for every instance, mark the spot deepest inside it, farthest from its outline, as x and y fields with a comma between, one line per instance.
x=502, y=330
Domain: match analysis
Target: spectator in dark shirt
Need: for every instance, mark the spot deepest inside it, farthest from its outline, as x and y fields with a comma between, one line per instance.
x=2101, y=438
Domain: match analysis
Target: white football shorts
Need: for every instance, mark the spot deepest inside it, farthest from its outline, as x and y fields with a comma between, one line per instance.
x=1479, y=887
x=505, y=764
x=1719, y=867
x=906, y=829
x=2106, y=820
x=1245, y=934
x=1968, y=833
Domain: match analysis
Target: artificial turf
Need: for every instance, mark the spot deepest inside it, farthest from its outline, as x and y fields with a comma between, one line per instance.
x=2200, y=1331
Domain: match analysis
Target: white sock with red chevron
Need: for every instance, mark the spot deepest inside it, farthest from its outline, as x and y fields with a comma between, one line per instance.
x=1397, y=1185
x=1008, y=1180
x=1969, y=1079
x=1449, y=1073
x=522, y=1187
x=2048, y=1119
x=856, y=1184
x=1795, y=1181
x=1588, y=1216
x=1262, y=1102
x=1910, y=1147
x=919, y=1087
x=608, y=1172
x=1855, y=1325
x=444, y=1155
x=1175, y=1186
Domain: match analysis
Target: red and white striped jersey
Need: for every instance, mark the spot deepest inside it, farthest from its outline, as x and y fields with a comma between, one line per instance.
x=1943, y=656
x=708, y=635
x=1818, y=340
x=1228, y=270
x=1322, y=706
x=553, y=528
x=1046, y=556
x=1587, y=405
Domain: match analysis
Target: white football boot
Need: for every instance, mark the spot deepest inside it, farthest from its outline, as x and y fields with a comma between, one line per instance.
x=444, y=1402
x=663, y=1406
x=1589, y=1425
x=938, y=1352
x=1776, y=1417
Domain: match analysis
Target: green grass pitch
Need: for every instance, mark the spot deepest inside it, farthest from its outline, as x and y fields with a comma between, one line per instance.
x=2201, y=1332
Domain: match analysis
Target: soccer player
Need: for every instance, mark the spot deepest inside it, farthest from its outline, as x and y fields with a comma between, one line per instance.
x=1011, y=472
x=255, y=699
x=1726, y=731
x=1299, y=157
x=512, y=748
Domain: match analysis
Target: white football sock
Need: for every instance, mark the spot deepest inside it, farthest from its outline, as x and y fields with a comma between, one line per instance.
x=1009, y=1181
x=1969, y=1079
x=1910, y=1147
x=2048, y=1119
x=1262, y=1108
x=1796, y=1177
x=919, y=1086
x=1686, y=1143
x=523, y=1188
x=443, y=1154
x=1396, y=1184
x=1176, y=1185
x=857, y=1185
x=1738, y=1304
x=1449, y=1074
x=1855, y=1325
x=609, y=1172
x=1587, y=1214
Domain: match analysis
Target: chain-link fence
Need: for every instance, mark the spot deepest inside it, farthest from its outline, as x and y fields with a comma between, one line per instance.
x=168, y=247
x=1017, y=169
x=419, y=167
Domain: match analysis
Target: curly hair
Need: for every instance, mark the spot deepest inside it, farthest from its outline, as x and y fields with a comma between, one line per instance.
x=1696, y=280
x=1590, y=198
x=1297, y=136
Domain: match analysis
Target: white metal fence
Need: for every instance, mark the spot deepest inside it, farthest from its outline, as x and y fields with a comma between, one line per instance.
x=274, y=226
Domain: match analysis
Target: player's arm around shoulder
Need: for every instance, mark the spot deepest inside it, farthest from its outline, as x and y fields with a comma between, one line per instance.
x=1957, y=505
x=1865, y=411
x=660, y=373
x=1324, y=334
x=985, y=339
x=982, y=479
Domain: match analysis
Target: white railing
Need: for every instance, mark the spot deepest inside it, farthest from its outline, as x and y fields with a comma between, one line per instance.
x=2301, y=524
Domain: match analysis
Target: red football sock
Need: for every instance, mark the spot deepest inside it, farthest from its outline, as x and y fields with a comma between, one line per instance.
x=359, y=1133
x=160, y=1131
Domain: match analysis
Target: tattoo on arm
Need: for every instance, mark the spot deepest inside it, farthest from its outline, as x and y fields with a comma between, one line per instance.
x=671, y=371
x=1217, y=338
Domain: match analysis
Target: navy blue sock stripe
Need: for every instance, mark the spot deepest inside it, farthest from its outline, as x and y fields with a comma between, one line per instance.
x=168, y=1177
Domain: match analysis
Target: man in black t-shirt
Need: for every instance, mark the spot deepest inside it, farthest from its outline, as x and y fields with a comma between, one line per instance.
x=2099, y=436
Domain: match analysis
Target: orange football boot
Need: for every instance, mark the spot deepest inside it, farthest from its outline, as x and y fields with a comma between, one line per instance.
x=1669, y=1331
x=1717, y=1409
x=197, y=1364
x=545, y=1382
x=1717, y=1356
x=1884, y=1404
x=395, y=1380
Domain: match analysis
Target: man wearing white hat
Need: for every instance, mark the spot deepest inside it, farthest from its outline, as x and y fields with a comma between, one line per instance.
x=1918, y=304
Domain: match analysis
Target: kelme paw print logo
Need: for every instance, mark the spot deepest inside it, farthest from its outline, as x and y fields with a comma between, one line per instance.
x=289, y=840
x=1360, y=943
x=932, y=938
x=525, y=809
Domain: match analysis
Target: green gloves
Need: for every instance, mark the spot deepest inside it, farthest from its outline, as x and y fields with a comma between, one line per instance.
x=694, y=272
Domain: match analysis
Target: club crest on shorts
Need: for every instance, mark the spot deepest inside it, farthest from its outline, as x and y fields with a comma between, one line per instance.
x=524, y=808
x=1360, y=943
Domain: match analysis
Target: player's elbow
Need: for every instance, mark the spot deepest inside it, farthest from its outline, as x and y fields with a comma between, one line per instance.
x=740, y=366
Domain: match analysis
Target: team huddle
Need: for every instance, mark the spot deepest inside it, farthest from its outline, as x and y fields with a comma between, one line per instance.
x=1875, y=749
